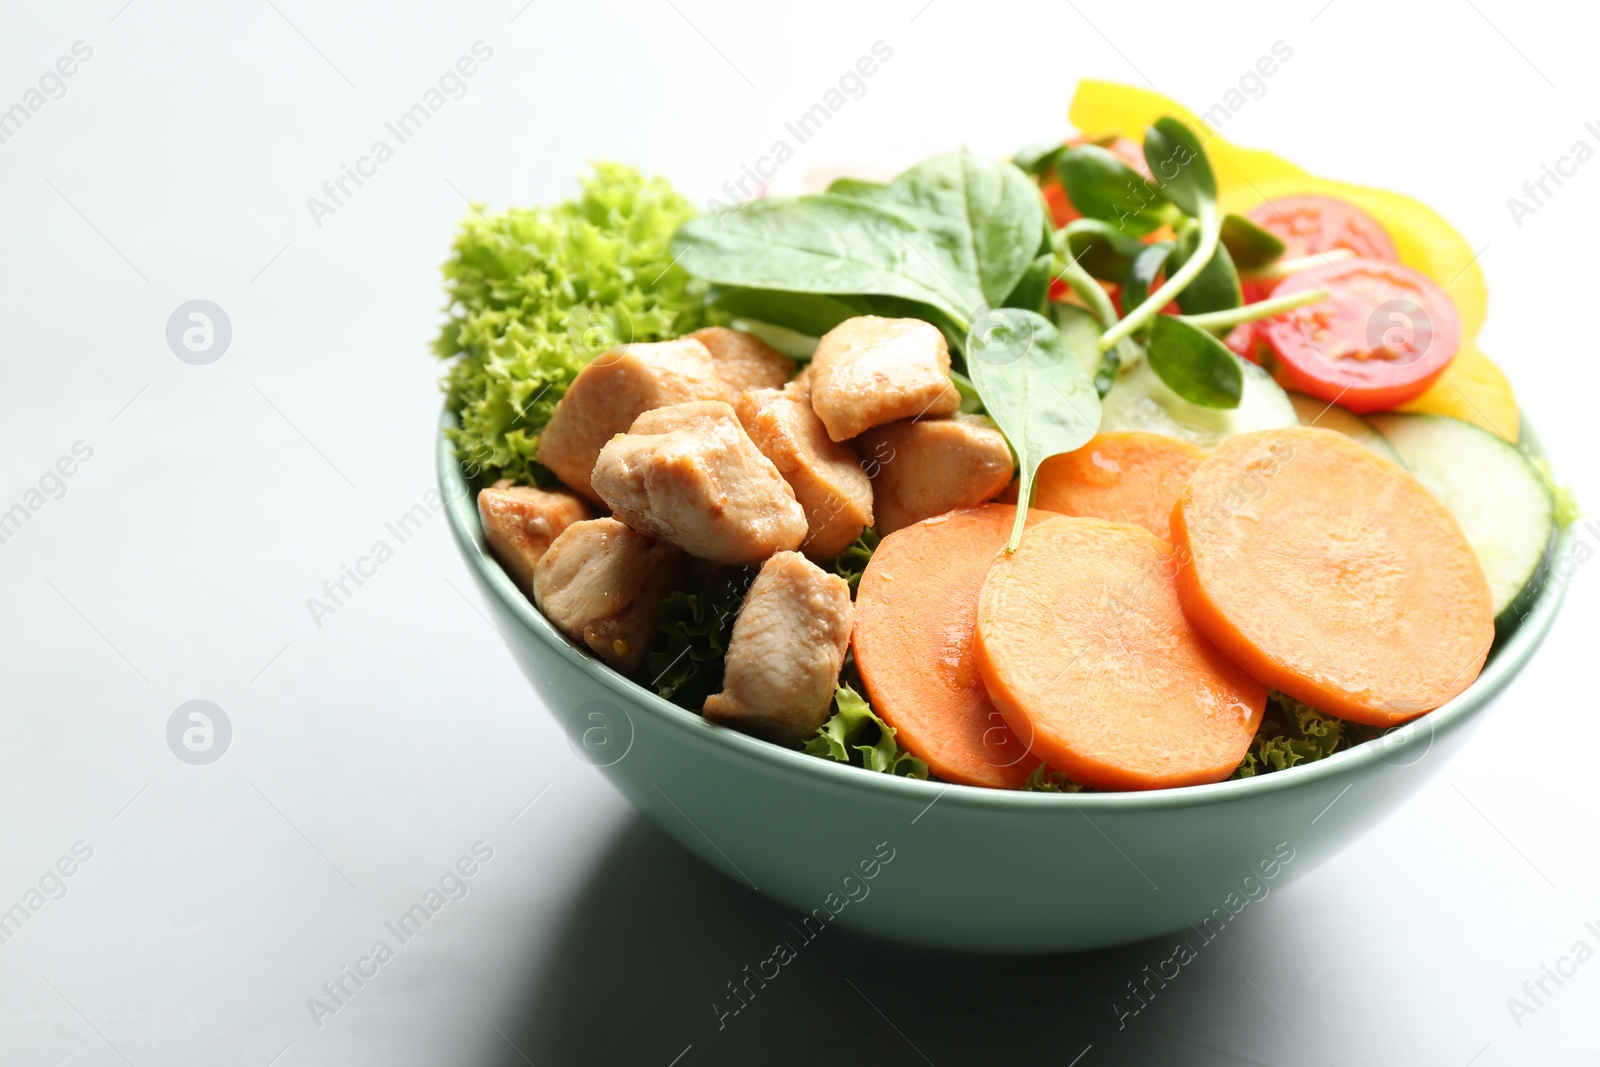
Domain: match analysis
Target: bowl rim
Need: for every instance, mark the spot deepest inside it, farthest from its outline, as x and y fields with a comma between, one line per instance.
x=1507, y=656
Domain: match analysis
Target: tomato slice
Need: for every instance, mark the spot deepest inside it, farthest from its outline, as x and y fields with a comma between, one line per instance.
x=1241, y=340
x=1313, y=223
x=1310, y=224
x=1383, y=336
x=1061, y=209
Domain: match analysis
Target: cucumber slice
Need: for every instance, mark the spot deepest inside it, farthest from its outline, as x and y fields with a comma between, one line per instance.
x=1141, y=401
x=1314, y=412
x=1499, y=497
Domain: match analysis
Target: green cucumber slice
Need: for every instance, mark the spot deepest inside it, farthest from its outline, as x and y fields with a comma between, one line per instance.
x=1501, y=500
x=1141, y=401
x=1314, y=412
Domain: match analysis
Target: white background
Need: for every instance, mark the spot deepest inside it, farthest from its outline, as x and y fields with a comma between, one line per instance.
x=372, y=752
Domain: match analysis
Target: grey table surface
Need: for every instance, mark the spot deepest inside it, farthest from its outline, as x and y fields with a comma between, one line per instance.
x=375, y=747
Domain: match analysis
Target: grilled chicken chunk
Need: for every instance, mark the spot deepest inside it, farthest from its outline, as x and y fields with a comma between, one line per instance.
x=868, y=371
x=690, y=475
x=825, y=474
x=925, y=467
x=799, y=387
x=744, y=361
x=520, y=521
x=784, y=657
x=602, y=584
x=618, y=387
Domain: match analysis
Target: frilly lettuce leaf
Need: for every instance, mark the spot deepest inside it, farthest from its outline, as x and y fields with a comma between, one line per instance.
x=852, y=562
x=685, y=660
x=1044, y=780
x=533, y=294
x=1292, y=732
x=855, y=735
x=684, y=663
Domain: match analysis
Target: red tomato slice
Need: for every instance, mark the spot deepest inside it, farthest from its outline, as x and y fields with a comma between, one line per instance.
x=1383, y=336
x=1313, y=223
x=1061, y=209
x=1242, y=341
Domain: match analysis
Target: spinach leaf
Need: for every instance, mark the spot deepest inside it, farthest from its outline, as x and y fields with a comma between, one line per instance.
x=1035, y=388
x=1178, y=161
x=1194, y=364
x=1216, y=287
x=1104, y=187
x=1033, y=291
x=1037, y=158
x=1250, y=246
x=857, y=188
x=813, y=314
x=950, y=236
x=985, y=215
x=1105, y=251
x=971, y=402
x=1142, y=273
x=828, y=244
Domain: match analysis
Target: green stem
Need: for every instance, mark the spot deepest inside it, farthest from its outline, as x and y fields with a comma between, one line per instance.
x=1100, y=306
x=1210, y=230
x=1261, y=309
x=1089, y=291
x=1024, y=495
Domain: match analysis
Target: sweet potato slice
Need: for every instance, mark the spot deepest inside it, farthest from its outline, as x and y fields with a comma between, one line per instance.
x=1126, y=476
x=1085, y=650
x=915, y=610
x=1331, y=574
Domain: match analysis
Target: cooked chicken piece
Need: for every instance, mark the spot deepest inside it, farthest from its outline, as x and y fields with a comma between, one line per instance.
x=744, y=361
x=925, y=467
x=868, y=371
x=520, y=521
x=799, y=387
x=690, y=475
x=601, y=583
x=787, y=647
x=825, y=475
x=618, y=387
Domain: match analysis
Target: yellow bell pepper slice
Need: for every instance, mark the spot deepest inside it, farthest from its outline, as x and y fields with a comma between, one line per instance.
x=1107, y=107
x=1472, y=387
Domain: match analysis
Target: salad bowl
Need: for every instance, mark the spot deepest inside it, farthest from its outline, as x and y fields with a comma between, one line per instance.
x=963, y=868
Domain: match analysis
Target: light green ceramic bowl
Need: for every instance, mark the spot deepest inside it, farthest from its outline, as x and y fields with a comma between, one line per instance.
x=969, y=869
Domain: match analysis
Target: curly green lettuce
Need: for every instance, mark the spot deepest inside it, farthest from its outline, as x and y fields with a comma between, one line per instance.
x=852, y=562
x=1293, y=732
x=1044, y=780
x=535, y=293
x=684, y=663
x=854, y=734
